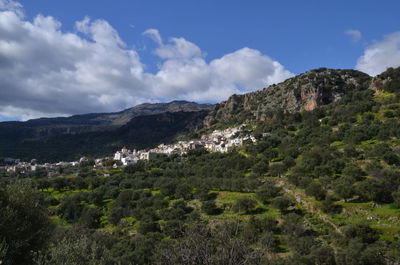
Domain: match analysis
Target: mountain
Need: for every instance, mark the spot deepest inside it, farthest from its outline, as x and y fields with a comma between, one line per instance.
x=65, y=138
x=140, y=132
x=122, y=117
x=321, y=185
x=303, y=92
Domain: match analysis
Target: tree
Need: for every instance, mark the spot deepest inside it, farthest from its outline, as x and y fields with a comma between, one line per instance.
x=343, y=187
x=90, y=217
x=362, y=232
x=301, y=245
x=316, y=190
x=357, y=253
x=71, y=208
x=260, y=167
x=244, y=205
x=24, y=224
x=268, y=240
x=373, y=190
x=353, y=171
x=396, y=198
x=168, y=188
x=282, y=203
x=75, y=249
x=328, y=206
x=322, y=255
x=276, y=170
x=209, y=207
x=391, y=158
x=267, y=192
x=184, y=191
x=3, y=250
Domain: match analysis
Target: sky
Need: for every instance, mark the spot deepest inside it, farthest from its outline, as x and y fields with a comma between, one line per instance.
x=60, y=58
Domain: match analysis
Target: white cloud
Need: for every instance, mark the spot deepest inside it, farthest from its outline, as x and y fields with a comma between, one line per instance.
x=47, y=72
x=154, y=35
x=185, y=72
x=179, y=48
x=249, y=69
x=354, y=34
x=381, y=55
x=13, y=6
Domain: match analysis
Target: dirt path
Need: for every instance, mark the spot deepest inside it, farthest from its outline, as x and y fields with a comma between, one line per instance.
x=300, y=197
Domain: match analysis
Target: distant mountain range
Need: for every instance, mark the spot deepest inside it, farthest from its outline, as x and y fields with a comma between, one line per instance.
x=146, y=125
x=122, y=117
x=67, y=138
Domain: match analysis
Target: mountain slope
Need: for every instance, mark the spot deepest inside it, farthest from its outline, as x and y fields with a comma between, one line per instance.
x=303, y=92
x=122, y=117
x=318, y=187
x=25, y=139
x=140, y=132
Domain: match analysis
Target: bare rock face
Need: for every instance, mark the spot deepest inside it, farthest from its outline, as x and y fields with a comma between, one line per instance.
x=303, y=92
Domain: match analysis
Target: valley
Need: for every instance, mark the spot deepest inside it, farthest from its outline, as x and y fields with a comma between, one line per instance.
x=316, y=186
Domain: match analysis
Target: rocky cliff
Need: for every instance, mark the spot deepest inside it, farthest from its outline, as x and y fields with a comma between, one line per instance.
x=303, y=92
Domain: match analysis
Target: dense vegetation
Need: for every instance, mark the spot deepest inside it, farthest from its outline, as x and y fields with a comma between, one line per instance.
x=318, y=187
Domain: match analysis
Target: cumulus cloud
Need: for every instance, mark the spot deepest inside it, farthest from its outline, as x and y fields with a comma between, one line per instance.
x=179, y=48
x=381, y=55
x=354, y=34
x=45, y=71
x=248, y=68
x=185, y=72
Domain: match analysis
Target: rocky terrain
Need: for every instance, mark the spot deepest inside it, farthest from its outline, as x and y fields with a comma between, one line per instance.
x=303, y=92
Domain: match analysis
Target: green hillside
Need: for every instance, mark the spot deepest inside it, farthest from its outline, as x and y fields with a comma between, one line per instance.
x=320, y=186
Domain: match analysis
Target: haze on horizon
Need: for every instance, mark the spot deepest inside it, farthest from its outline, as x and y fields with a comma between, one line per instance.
x=73, y=57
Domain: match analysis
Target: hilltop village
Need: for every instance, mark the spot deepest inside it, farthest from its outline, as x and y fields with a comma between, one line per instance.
x=218, y=141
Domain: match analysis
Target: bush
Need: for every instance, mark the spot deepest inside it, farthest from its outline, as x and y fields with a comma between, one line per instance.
x=267, y=192
x=244, y=205
x=315, y=189
x=362, y=232
x=24, y=224
x=328, y=206
x=209, y=207
x=282, y=203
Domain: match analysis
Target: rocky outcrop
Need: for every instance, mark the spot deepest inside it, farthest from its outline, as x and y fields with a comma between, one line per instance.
x=303, y=92
x=388, y=81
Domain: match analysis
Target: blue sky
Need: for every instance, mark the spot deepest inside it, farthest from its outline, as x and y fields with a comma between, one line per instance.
x=69, y=57
x=302, y=35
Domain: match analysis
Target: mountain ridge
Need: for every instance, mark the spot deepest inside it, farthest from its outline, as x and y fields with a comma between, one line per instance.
x=303, y=92
x=24, y=139
x=124, y=116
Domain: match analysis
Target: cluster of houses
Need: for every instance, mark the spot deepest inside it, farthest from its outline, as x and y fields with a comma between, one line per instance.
x=18, y=166
x=218, y=141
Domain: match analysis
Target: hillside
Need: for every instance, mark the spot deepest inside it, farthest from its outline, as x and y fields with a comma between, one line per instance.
x=304, y=92
x=140, y=132
x=49, y=139
x=319, y=186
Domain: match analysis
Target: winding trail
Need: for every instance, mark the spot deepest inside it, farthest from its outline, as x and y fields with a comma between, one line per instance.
x=301, y=197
